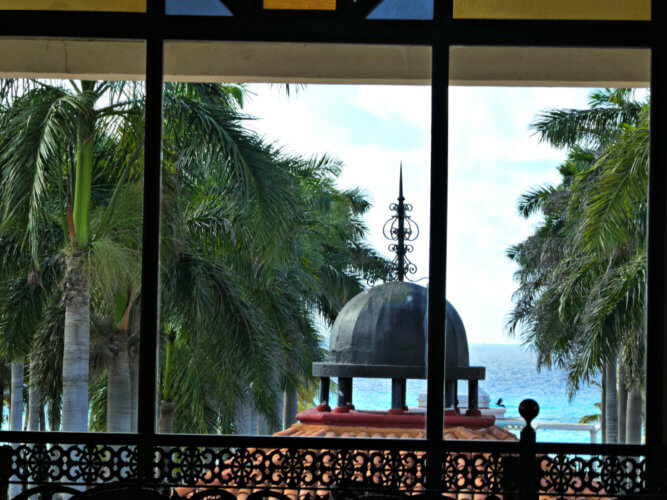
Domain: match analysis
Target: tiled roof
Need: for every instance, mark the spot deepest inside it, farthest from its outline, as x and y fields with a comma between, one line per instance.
x=488, y=434
x=396, y=419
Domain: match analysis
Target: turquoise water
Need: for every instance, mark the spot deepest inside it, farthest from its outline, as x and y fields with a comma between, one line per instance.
x=510, y=375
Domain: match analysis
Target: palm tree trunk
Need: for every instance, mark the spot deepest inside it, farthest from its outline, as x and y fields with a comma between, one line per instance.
x=603, y=407
x=76, y=346
x=290, y=407
x=280, y=409
x=16, y=402
x=243, y=409
x=2, y=397
x=166, y=423
x=54, y=420
x=634, y=421
x=76, y=298
x=612, y=405
x=622, y=403
x=262, y=425
x=34, y=399
x=42, y=416
x=16, y=410
x=166, y=418
x=118, y=389
x=134, y=392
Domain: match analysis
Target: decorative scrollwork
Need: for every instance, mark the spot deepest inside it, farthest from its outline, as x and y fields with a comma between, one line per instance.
x=597, y=475
x=250, y=469
x=340, y=466
x=228, y=472
x=88, y=464
x=397, y=470
x=242, y=467
x=402, y=229
x=473, y=473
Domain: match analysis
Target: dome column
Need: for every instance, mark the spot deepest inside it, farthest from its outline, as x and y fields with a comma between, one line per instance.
x=344, y=391
x=398, y=391
x=473, y=394
x=451, y=393
x=324, y=390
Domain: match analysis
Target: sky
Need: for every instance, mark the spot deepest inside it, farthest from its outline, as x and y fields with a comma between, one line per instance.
x=493, y=159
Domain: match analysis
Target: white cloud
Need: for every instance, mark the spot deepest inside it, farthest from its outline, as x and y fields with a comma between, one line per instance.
x=411, y=105
x=493, y=159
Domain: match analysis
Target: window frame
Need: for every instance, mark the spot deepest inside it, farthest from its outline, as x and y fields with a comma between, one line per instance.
x=155, y=27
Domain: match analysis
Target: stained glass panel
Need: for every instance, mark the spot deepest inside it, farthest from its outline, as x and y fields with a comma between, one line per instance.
x=80, y=5
x=300, y=4
x=403, y=9
x=622, y=10
x=196, y=8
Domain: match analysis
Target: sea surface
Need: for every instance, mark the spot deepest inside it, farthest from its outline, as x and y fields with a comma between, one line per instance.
x=511, y=374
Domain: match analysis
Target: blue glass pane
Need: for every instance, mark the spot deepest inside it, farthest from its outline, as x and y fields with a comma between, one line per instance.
x=403, y=9
x=196, y=8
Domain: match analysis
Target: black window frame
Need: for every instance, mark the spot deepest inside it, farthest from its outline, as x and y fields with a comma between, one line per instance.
x=155, y=27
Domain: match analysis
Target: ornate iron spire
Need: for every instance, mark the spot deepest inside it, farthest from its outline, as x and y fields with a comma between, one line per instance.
x=401, y=229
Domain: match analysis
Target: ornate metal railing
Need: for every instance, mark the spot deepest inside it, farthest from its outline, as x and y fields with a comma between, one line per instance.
x=259, y=467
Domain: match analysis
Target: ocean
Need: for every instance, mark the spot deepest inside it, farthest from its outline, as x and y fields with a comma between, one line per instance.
x=511, y=374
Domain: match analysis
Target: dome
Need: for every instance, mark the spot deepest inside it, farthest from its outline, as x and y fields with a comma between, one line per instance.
x=382, y=333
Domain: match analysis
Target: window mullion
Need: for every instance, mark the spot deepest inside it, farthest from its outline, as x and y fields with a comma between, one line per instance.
x=151, y=235
x=656, y=321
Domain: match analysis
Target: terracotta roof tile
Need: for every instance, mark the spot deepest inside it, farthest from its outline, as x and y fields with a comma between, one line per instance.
x=487, y=434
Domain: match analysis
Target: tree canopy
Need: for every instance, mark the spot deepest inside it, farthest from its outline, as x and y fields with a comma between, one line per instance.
x=257, y=244
x=581, y=275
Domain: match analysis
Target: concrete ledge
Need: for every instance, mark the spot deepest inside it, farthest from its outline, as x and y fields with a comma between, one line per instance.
x=550, y=67
x=325, y=63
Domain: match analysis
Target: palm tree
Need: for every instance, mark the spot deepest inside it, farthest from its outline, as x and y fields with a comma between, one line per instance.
x=249, y=254
x=255, y=242
x=582, y=275
x=50, y=134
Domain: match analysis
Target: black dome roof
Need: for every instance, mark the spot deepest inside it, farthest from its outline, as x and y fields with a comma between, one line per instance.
x=382, y=333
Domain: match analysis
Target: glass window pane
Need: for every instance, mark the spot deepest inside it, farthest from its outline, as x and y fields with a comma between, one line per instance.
x=630, y=10
x=546, y=245
x=197, y=8
x=282, y=312
x=81, y=5
x=71, y=137
x=403, y=9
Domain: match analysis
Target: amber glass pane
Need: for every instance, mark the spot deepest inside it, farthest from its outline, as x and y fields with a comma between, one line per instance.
x=300, y=4
x=630, y=10
x=87, y=5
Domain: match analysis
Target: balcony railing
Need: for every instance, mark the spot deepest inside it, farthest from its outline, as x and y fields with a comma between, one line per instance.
x=200, y=466
x=515, y=424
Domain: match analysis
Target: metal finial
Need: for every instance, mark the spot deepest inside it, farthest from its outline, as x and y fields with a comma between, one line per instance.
x=401, y=229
